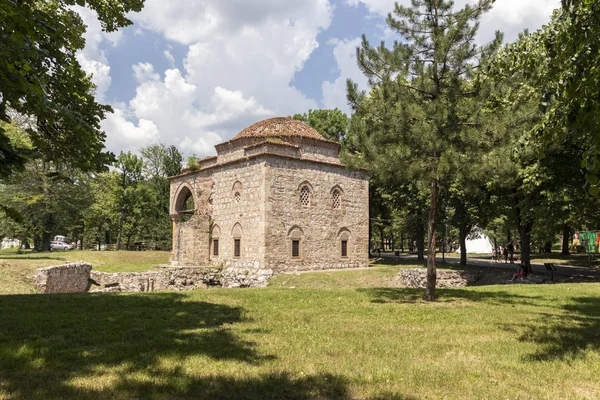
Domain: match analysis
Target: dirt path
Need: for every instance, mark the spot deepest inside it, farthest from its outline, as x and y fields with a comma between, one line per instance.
x=538, y=269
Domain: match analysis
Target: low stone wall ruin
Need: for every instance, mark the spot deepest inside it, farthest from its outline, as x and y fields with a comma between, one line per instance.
x=68, y=278
x=417, y=278
x=79, y=277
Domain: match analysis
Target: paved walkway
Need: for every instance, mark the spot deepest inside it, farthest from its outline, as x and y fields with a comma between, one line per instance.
x=561, y=269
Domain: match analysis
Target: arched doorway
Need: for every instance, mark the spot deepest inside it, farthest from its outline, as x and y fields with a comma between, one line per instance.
x=184, y=205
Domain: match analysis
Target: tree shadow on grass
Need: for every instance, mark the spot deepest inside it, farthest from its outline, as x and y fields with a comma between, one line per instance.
x=566, y=336
x=275, y=386
x=49, y=341
x=408, y=295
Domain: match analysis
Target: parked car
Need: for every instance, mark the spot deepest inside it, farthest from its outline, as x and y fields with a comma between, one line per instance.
x=61, y=246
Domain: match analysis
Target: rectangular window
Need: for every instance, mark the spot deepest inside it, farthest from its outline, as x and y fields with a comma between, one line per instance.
x=295, y=248
x=344, y=248
x=215, y=247
x=237, y=249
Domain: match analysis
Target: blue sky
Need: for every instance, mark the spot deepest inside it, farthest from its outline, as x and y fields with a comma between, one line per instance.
x=194, y=73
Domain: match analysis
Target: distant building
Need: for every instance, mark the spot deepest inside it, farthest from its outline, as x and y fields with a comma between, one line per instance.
x=275, y=196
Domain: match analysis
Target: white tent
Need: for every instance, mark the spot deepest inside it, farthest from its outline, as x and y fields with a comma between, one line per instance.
x=480, y=244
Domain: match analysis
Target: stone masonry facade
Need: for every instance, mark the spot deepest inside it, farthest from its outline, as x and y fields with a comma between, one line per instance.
x=275, y=197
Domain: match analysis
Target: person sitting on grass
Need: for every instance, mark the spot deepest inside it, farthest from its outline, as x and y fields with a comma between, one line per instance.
x=522, y=274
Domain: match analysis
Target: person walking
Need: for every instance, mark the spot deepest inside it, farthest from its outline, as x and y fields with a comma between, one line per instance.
x=511, y=251
x=505, y=253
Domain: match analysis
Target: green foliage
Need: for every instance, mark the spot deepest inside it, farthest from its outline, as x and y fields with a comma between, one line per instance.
x=131, y=203
x=423, y=110
x=332, y=124
x=40, y=77
x=47, y=202
x=561, y=66
x=193, y=163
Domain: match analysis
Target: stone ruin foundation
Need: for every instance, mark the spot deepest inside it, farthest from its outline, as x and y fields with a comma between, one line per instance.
x=79, y=278
x=417, y=278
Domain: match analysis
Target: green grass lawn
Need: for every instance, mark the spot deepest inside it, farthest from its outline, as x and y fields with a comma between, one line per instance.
x=334, y=335
x=17, y=268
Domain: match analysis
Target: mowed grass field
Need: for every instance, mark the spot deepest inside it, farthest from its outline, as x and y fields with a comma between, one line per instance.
x=16, y=269
x=323, y=335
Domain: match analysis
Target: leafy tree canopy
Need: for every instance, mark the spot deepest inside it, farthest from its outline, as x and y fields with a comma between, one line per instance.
x=422, y=114
x=41, y=78
x=332, y=124
x=561, y=64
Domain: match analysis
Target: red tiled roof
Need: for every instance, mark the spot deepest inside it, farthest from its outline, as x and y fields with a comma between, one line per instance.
x=279, y=127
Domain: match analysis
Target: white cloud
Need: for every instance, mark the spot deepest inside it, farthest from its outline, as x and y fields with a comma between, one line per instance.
x=126, y=136
x=242, y=57
x=92, y=58
x=169, y=111
x=189, y=22
x=334, y=93
x=508, y=16
x=514, y=16
x=169, y=57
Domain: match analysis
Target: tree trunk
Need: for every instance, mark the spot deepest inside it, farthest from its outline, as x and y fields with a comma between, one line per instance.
x=462, y=233
x=382, y=240
x=431, y=224
x=525, y=234
x=420, y=242
x=565, y=240
x=402, y=242
x=37, y=243
x=46, y=241
x=120, y=235
x=548, y=247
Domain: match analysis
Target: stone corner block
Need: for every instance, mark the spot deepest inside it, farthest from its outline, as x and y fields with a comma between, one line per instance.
x=66, y=278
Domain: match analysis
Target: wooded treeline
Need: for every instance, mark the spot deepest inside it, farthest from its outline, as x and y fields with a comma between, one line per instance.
x=127, y=205
x=455, y=135
x=458, y=135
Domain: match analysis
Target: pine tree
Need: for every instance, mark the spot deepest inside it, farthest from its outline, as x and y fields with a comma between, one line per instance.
x=423, y=110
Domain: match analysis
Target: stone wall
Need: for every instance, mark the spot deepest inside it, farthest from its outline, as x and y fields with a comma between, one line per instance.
x=247, y=179
x=67, y=278
x=79, y=277
x=179, y=279
x=191, y=238
x=150, y=281
x=417, y=278
x=268, y=210
x=319, y=223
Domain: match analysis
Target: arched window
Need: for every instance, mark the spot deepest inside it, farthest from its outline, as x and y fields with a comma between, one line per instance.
x=184, y=204
x=237, y=191
x=305, y=196
x=216, y=235
x=344, y=239
x=336, y=199
x=296, y=236
x=237, y=240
